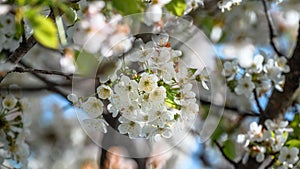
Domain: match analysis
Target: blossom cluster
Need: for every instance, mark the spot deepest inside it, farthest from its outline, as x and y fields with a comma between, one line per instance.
x=260, y=73
x=262, y=143
x=154, y=11
x=95, y=33
x=8, y=39
x=13, y=130
x=227, y=4
x=153, y=101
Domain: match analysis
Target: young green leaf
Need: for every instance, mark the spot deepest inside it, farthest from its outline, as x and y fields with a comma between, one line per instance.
x=229, y=149
x=45, y=31
x=293, y=143
x=127, y=7
x=176, y=7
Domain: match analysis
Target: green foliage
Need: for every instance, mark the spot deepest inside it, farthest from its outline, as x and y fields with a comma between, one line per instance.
x=69, y=12
x=229, y=149
x=295, y=125
x=86, y=63
x=44, y=30
x=127, y=7
x=294, y=143
x=176, y=7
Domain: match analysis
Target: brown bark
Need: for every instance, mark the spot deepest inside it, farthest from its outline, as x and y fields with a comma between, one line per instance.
x=279, y=102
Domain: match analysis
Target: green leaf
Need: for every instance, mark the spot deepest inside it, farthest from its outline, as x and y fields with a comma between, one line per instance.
x=295, y=125
x=176, y=7
x=44, y=31
x=127, y=7
x=229, y=149
x=69, y=12
x=86, y=63
x=293, y=143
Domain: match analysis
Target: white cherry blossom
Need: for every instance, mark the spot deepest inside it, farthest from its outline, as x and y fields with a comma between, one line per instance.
x=255, y=132
x=148, y=82
x=9, y=102
x=290, y=156
x=245, y=86
x=257, y=64
x=93, y=107
x=129, y=127
x=230, y=69
x=104, y=92
x=96, y=124
x=158, y=94
x=281, y=63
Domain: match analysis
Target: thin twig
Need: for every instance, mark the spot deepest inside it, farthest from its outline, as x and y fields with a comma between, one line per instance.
x=257, y=102
x=271, y=163
x=50, y=84
x=40, y=71
x=272, y=33
x=233, y=109
x=225, y=156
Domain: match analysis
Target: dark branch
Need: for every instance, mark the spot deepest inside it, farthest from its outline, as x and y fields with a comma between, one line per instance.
x=49, y=83
x=233, y=109
x=272, y=34
x=225, y=156
x=279, y=102
x=40, y=71
x=24, y=47
x=257, y=102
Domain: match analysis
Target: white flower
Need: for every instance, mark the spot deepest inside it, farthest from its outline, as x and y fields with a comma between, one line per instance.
x=158, y=94
x=187, y=93
x=278, y=128
x=245, y=86
x=160, y=40
x=260, y=157
x=236, y=2
x=4, y=9
x=116, y=44
x=255, y=132
x=281, y=63
x=141, y=52
x=147, y=82
x=153, y=14
x=243, y=139
x=73, y=98
x=275, y=74
x=230, y=69
x=225, y=4
x=9, y=102
x=278, y=142
x=257, y=64
x=160, y=133
x=161, y=118
x=192, y=4
x=96, y=124
x=93, y=106
x=132, y=128
x=104, y=92
x=289, y=156
x=167, y=72
x=204, y=78
x=189, y=110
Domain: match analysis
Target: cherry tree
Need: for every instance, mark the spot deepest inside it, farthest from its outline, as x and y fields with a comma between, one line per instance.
x=149, y=82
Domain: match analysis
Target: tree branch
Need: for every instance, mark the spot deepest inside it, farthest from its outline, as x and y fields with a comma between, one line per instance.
x=225, y=156
x=279, y=102
x=50, y=84
x=272, y=33
x=40, y=71
x=234, y=109
x=257, y=102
